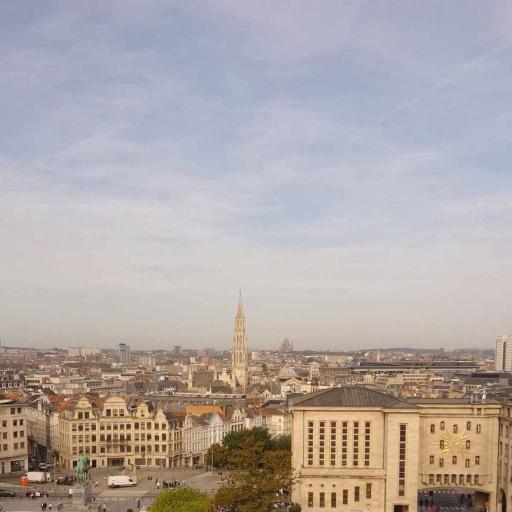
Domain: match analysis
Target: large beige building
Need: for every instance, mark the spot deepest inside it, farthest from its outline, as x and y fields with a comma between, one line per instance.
x=13, y=437
x=112, y=435
x=356, y=449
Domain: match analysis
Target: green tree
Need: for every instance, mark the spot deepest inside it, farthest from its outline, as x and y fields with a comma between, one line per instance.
x=233, y=440
x=282, y=442
x=181, y=500
x=217, y=456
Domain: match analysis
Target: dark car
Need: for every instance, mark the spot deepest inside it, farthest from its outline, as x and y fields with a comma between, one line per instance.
x=65, y=480
x=6, y=494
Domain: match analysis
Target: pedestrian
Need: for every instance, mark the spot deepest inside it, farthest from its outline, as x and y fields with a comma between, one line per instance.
x=70, y=492
x=138, y=504
x=104, y=507
x=50, y=507
x=42, y=507
x=158, y=485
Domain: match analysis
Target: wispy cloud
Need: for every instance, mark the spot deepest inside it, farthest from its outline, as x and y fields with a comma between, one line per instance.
x=154, y=159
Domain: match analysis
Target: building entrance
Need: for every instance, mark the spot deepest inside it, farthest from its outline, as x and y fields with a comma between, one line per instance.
x=452, y=499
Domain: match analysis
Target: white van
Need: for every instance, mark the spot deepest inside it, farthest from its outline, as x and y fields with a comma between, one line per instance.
x=121, y=481
x=38, y=477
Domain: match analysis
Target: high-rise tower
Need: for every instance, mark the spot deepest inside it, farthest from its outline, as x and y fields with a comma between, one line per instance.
x=239, y=350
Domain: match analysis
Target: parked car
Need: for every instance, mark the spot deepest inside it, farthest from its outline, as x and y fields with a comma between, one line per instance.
x=35, y=494
x=6, y=494
x=65, y=480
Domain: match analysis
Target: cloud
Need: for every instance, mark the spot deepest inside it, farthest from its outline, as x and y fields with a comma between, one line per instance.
x=156, y=159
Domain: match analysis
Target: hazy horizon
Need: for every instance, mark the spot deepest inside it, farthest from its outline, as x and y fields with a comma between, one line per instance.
x=345, y=164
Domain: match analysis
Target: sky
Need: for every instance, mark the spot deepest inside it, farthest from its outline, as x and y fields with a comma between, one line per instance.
x=346, y=164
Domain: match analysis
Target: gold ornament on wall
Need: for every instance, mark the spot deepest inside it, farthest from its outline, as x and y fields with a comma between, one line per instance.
x=454, y=444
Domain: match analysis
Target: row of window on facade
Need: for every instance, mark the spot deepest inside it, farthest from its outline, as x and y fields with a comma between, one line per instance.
x=343, y=497
x=16, y=446
x=15, y=434
x=119, y=449
x=455, y=427
x=467, y=462
x=117, y=437
x=15, y=423
x=118, y=426
x=332, y=443
x=453, y=479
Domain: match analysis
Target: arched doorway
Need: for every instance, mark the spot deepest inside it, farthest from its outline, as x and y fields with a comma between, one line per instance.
x=502, y=501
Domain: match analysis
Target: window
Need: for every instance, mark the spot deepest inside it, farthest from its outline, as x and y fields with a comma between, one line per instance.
x=468, y=463
x=478, y=429
x=322, y=499
x=468, y=425
x=432, y=428
x=345, y=496
x=321, y=450
x=344, y=440
x=431, y=459
x=333, y=500
x=401, y=459
x=454, y=459
x=368, y=491
x=441, y=463
x=333, y=443
x=441, y=444
x=468, y=444
x=455, y=428
x=441, y=427
x=477, y=460
x=310, y=443
x=446, y=479
x=431, y=479
x=477, y=480
x=356, y=493
x=355, y=439
x=367, y=443
x=310, y=499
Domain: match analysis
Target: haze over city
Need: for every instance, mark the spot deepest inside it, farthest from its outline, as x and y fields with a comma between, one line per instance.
x=347, y=167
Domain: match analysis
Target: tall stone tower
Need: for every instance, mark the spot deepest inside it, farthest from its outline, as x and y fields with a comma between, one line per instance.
x=239, y=350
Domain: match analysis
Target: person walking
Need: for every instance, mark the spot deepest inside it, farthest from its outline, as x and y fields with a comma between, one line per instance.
x=138, y=504
x=70, y=492
x=50, y=507
x=158, y=485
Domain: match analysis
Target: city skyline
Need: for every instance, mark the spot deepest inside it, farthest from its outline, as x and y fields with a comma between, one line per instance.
x=346, y=166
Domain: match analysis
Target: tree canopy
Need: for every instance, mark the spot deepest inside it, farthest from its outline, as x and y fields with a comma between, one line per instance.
x=181, y=500
x=260, y=470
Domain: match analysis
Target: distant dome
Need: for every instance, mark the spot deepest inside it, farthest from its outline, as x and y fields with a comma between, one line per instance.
x=287, y=373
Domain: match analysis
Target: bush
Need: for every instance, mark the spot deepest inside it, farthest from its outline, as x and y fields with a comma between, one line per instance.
x=181, y=500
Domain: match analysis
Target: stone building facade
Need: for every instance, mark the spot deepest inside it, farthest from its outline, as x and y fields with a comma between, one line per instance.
x=13, y=438
x=357, y=449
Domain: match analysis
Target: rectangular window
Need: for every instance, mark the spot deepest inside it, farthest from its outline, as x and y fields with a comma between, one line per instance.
x=367, y=443
x=355, y=442
x=345, y=496
x=468, y=425
x=468, y=444
x=333, y=443
x=431, y=459
x=333, y=500
x=322, y=500
x=477, y=460
x=441, y=426
x=310, y=499
x=468, y=463
x=454, y=459
x=321, y=444
x=401, y=459
x=441, y=463
x=310, y=443
x=356, y=493
x=478, y=429
x=432, y=428
x=455, y=428
x=344, y=443
x=368, y=491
